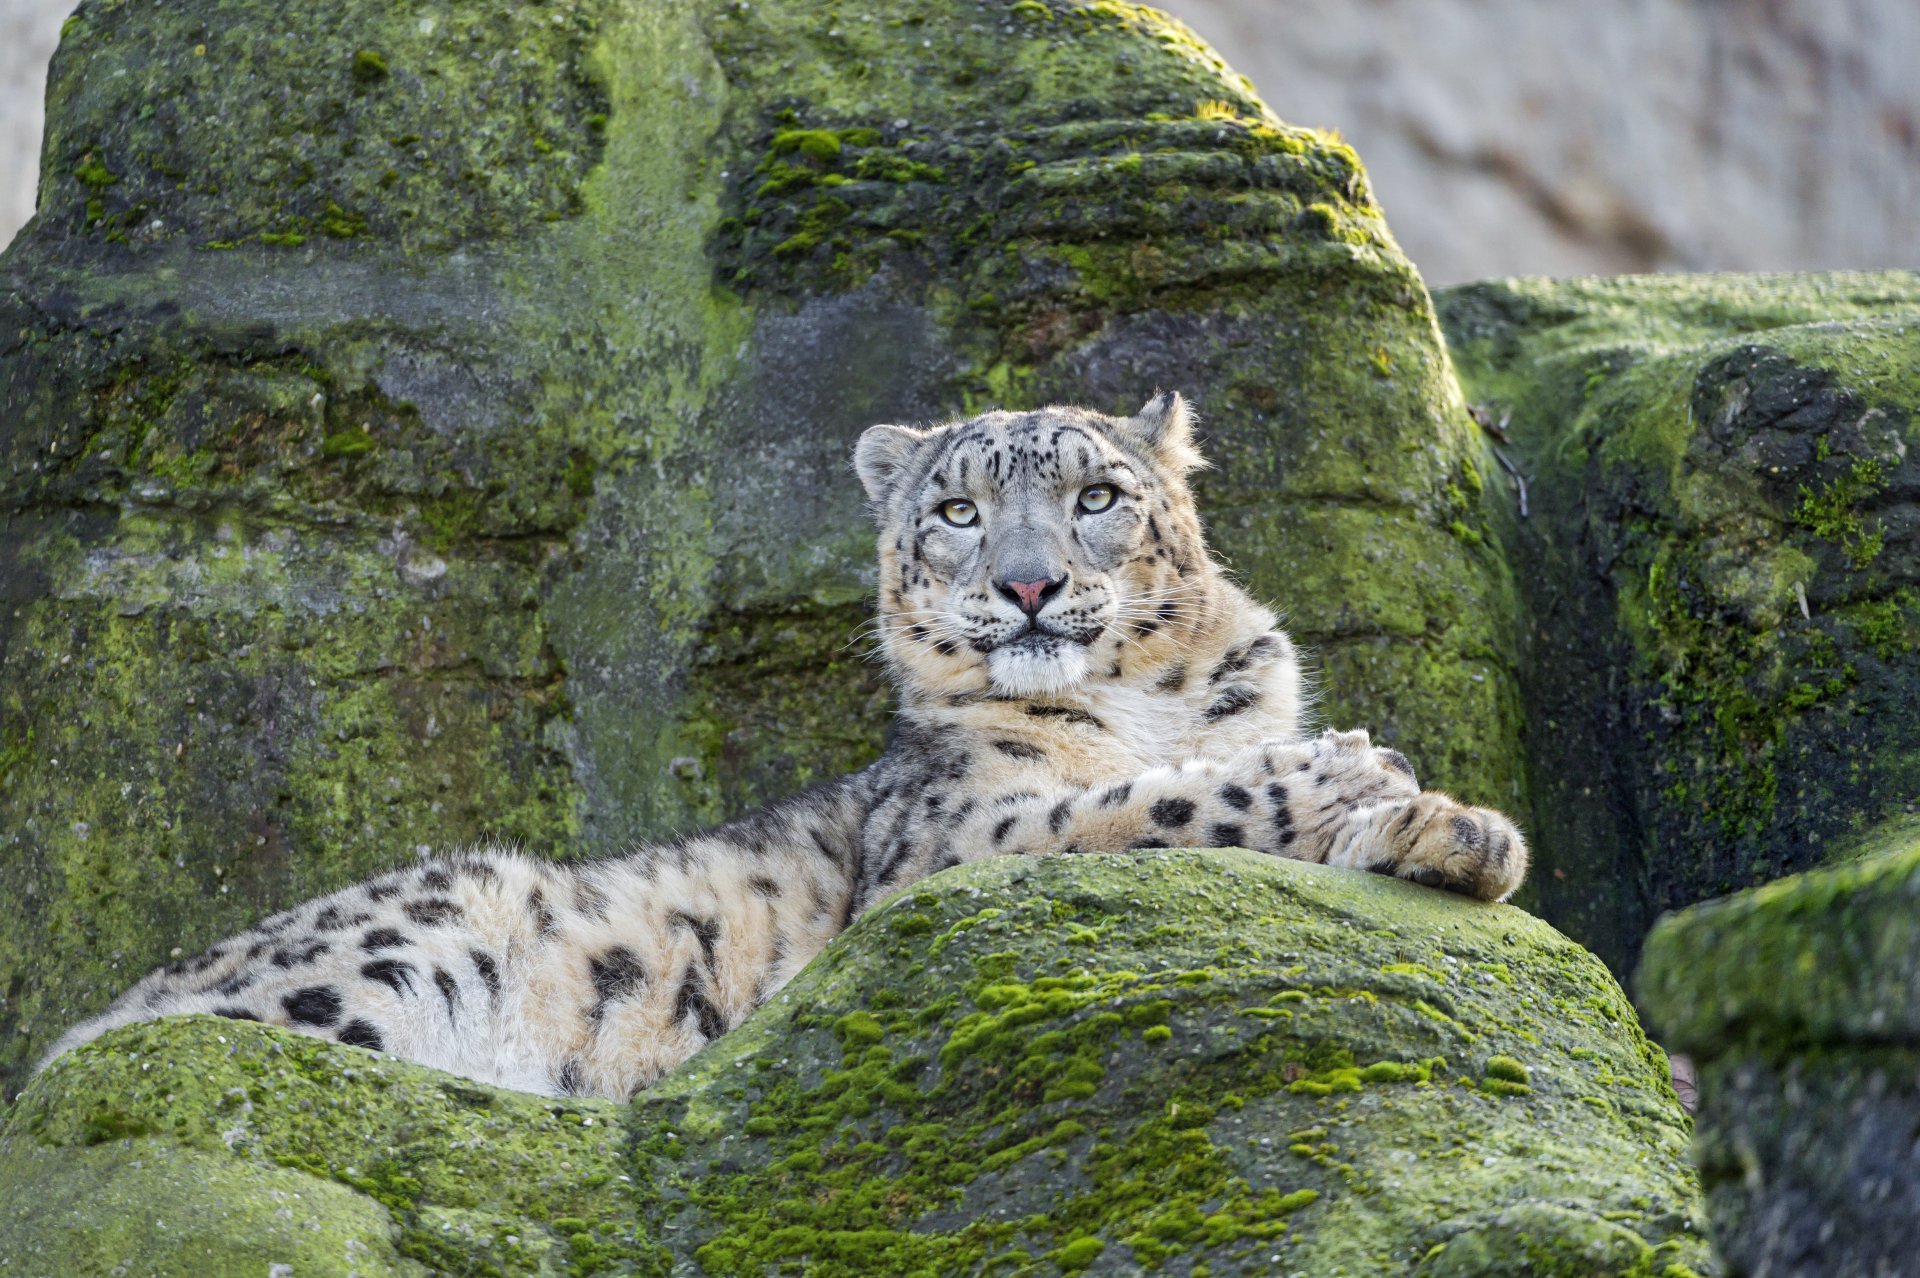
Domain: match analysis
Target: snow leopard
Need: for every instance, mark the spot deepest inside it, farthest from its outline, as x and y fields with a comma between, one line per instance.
x=1073, y=674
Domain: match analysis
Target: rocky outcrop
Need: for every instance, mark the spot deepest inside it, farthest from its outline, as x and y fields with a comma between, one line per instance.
x=1720, y=558
x=427, y=426
x=1148, y=1061
x=1800, y=1004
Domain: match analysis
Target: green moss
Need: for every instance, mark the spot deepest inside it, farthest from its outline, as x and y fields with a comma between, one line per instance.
x=883, y=167
x=814, y=227
x=856, y=1028
x=94, y=175
x=183, y=1211
x=1392, y=1072
x=1724, y=697
x=1832, y=511
x=351, y=442
x=340, y=223
x=1543, y=1240
x=815, y=144
x=885, y=1160
x=248, y=773
x=1817, y=958
x=1507, y=1068
x=1796, y=1002
x=255, y=1116
x=1504, y=1087
x=203, y=161
x=760, y=682
x=1887, y=627
x=1078, y=1254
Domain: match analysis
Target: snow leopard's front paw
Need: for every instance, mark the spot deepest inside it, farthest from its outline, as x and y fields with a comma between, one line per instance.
x=1349, y=765
x=1433, y=840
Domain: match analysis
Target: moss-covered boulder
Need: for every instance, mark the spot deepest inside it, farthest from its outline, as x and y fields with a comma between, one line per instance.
x=1800, y=1004
x=1721, y=567
x=1186, y=1062
x=421, y=424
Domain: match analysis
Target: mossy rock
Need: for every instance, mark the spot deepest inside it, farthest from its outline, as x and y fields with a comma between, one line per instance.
x=1799, y=1003
x=427, y=426
x=1721, y=566
x=1161, y=1061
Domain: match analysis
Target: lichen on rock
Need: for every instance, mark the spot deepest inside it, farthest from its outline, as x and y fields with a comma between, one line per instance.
x=1144, y=1061
x=1723, y=568
x=1799, y=1003
x=421, y=129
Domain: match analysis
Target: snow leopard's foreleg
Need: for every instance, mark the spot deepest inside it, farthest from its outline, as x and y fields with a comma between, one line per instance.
x=1335, y=799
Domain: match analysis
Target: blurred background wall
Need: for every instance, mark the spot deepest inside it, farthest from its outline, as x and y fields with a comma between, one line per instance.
x=1563, y=137
x=1554, y=137
x=29, y=29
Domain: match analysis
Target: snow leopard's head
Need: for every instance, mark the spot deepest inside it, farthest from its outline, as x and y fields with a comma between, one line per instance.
x=1030, y=553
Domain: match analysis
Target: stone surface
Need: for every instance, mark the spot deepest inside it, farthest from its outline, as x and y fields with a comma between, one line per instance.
x=1720, y=567
x=1800, y=1003
x=427, y=425
x=1146, y=1061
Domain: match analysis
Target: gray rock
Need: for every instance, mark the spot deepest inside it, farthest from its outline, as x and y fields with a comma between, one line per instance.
x=1721, y=565
x=1800, y=1003
x=1117, y=1064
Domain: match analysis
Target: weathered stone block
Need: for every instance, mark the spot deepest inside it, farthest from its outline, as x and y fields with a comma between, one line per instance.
x=1106, y=1063
x=1721, y=570
x=1800, y=1005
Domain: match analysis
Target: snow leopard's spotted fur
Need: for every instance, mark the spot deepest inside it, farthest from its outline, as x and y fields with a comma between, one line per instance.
x=1147, y=702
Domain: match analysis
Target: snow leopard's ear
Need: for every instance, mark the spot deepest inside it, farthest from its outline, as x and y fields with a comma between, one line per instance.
x=881, y=457
x=1164, y=426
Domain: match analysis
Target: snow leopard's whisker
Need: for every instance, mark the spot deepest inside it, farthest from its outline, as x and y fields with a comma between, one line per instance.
x=1180, y=648
x=1165, y=611
x=899, y=619
x=1137, y=615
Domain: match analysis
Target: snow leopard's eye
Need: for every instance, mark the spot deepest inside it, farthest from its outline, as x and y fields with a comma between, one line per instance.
x=1095, y=498
x=959, y=512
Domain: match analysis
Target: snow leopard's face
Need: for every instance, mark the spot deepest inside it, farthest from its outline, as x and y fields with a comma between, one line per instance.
x=1028, y=553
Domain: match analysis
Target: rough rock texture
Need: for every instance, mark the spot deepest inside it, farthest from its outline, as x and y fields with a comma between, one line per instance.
x=1800, y=1004
x=1721, y=566
x=1185, y=1062
x=420, y=425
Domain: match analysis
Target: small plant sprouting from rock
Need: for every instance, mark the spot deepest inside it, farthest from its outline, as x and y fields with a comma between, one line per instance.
x=1833, y=511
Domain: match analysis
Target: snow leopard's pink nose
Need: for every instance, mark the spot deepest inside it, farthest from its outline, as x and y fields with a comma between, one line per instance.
x=1031, y=595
